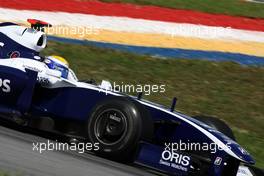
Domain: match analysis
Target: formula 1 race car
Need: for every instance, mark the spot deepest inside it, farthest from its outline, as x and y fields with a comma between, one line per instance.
x=127, y=128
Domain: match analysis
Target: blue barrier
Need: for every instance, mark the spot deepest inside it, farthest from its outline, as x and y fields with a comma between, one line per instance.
x=172, y=53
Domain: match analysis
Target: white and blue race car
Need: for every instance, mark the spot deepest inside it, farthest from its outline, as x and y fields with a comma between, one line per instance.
x=127, y=128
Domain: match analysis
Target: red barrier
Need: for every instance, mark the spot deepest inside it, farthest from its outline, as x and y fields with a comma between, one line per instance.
x=134, y=11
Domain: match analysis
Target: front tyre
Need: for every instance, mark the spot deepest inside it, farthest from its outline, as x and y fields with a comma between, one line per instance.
x=218, y=125
x=117, y=125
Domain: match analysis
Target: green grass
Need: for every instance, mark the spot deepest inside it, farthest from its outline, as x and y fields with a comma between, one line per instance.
x=5, y=173
x=229, y=7
x=225, y=90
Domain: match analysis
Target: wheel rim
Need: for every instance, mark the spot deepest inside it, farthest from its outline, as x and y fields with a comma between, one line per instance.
x=110, y=127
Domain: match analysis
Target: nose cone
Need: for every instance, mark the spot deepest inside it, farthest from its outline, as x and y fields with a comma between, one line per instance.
x=242, y=154
x=232, y=147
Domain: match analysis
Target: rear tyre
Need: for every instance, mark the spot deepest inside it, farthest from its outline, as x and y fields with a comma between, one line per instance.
x=116, y=124
x=217, y=124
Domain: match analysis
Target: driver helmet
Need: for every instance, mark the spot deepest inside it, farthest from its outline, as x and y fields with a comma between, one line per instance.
x=58, y=63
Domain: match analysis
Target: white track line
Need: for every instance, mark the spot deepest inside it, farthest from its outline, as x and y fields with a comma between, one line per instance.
x=123, y=24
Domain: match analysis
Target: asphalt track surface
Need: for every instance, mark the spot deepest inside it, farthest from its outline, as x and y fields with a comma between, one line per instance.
x=17, y=157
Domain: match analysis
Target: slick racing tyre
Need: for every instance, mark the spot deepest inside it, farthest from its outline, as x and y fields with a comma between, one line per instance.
x=118, y=124
x=218, y=125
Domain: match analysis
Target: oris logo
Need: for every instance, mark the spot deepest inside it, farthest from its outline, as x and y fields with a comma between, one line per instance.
x=5, y=85
x=170, y=156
